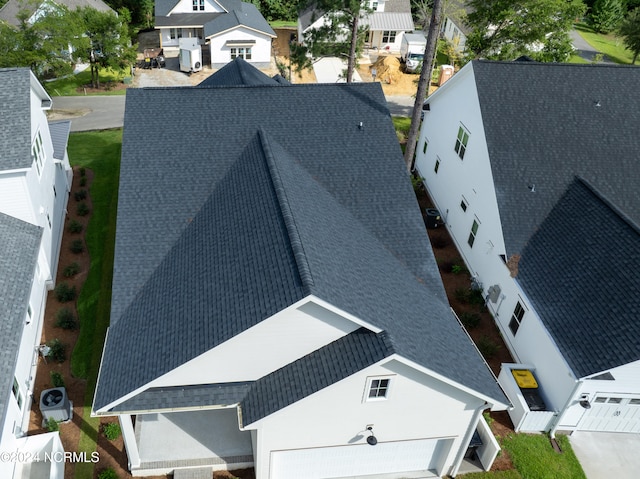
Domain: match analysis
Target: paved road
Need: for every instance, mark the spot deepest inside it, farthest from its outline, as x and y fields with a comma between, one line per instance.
x=90, y=112
x=400, y=105
x=584, y=50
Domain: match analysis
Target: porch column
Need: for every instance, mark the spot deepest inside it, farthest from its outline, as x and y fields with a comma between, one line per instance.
x=130, y=444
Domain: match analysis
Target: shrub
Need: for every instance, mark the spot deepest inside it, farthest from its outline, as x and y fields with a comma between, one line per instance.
x=58, y=350
x=446, y=266
x=65, y=319
x=65, y=293
x=82, y=209
x=440, y=241
x=470, y=320
x=417, y=182
x=80, y=195
x=111, y=431
x=52, y=425
x=74, y=227
x=71, y=270
x=56, y=379
x=459, y=268
x=108, y=473
x=77, y=246
x=475, y=296
x=83, y=171
x=461, y=294
x=487, y=347
x=83, y=181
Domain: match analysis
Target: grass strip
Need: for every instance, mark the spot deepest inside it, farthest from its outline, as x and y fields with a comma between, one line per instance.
x=69, y=85
x=608, y=43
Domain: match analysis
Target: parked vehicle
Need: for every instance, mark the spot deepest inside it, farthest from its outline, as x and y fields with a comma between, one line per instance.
x=412, y=51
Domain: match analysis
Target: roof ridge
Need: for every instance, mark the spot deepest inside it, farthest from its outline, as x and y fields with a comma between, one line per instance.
x=287, y=214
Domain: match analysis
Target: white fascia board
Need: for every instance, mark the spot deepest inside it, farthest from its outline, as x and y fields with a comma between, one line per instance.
x=41, y=92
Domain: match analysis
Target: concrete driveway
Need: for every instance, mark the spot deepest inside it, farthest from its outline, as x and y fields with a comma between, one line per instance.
x=606, y=455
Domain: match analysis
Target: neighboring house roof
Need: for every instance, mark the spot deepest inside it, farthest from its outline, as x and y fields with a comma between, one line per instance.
x=19, y=246
x=10, y=11
x=457, y=11
x=580, y=271
x=285, y=195
x=546, y=123
x=389, y=21
x=243, y=14
x=192, y=20
x=397, y=6
x=240, y=72
x=15, y=118
x=60, y=137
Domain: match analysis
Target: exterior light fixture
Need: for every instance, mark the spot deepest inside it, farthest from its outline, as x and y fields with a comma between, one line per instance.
x=371, y=440
x=584, y=401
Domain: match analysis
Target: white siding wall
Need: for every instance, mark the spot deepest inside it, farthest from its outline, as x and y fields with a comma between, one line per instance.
x=260, y=51
x=452, y=33
x=296, y=333
x=173, y=43
x=418, y=407
x=377, y=37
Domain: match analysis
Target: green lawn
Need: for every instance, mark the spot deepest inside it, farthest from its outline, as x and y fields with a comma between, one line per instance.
x=283, y=24
x=609, y=44
x=512, y=474
x=68, y=86
x=100, y=152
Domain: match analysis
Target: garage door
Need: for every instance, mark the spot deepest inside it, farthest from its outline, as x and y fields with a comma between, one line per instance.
x=612, y=413
x=361, y=459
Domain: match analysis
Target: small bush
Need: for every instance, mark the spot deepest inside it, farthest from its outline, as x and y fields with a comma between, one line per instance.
x=417, y=182
x=58, y=350
x=475, y=297
x=111, y=431
x=470, y=320
x=71, y=270
x=82, y=209
x=77, y=246
x=108, y=473
x=461, y=294
x=83, y=181
x=65, y=319
x=80, y=195
x=74, y=227
x=446, y=266
x=65, y=293
x=440, y=242
x=83, y=171
x=459, y=268
x=56, y=379
x=52, y=425
x=487, y=347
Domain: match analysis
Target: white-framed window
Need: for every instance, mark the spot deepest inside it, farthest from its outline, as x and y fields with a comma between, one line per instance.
x=473, y=232
x=195, y=5
x=437, y=165
x=243, y=52
x=377, y=388
x=388, y=36
x=516, y=318
x=464, y=204
x=175, y=33
x=201, y=4
x=424, y=146
x=37, y=153
x=461, y=141
x=374, y=5
x=16, y=392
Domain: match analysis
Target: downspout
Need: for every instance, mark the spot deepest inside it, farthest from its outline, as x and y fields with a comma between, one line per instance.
x=467, y=439
x=577, y=387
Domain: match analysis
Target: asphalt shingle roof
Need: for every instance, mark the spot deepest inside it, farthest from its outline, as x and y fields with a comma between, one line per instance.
x=19, y=246
x=237, y=73
x=580, y=270
x=15, y=119
x=59, y=137
x=546, y=123
x=243, y=14
x=193, y=20
x=289, y=192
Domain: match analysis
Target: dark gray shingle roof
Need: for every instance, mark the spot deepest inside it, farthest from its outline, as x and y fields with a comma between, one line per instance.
x=243, y=14
x=186, y=19
x=239, y=72
x=15, y=118
x=316, y=371
x=546, y=123
x=19, y=246
x=581, y=271
x=59, y=137
x=279, y=193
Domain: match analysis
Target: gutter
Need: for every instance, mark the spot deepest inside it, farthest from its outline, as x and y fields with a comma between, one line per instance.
x=574, y=393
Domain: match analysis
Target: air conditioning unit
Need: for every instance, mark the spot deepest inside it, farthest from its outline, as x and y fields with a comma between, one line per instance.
x=55, y=404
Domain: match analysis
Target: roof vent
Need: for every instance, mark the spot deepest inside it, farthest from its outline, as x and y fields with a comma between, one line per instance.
x=532, y=187
x=360, y=126
x=598, y=104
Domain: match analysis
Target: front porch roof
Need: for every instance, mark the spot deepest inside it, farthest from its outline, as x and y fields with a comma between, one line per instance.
x=381, y=21
x=190, y=20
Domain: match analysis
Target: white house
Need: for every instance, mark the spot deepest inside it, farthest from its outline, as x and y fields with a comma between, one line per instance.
x=534, y=171
x=386, y=23
x=276, y=303
x=230, y=28
x=454, y=28
x=35, y=179
x=33, y=10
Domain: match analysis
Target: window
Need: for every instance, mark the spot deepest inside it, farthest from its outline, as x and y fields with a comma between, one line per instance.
x=195, y=5
x=615, y=400
x=55, y=193
x=388, y=36
x=374, y=6
x=464, y=205
x=461, y=142
x=516, y=318
x=201, y=4
x=175, y=33
x=16, y=392
x=49, y=220
x=378, y=388
x=241, y=52
x=600, y=400
x=437, y=167
x=634, y=401
x=29, y=314
x=473, y=233
x=37, y=153
x=424, y=147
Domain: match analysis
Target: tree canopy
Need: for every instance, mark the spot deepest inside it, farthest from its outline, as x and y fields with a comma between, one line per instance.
x=606, y=15
x=629, y=30
x=507, y=29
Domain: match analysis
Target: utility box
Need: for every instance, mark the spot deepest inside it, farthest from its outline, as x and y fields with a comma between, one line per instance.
x=190, y=55
x=446, y=72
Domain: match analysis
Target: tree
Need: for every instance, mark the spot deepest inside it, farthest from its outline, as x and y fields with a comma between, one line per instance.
x=506, y=29
x=341, y=34
x=423, y=82
x=629, y=30
x=605, y=15
x=107, y=41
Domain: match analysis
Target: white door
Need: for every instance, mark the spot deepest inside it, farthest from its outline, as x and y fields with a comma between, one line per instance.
x=361, y=459
x=612, y=413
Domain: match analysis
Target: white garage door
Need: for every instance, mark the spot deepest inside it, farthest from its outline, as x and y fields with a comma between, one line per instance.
x=361, y=459
x=612, y=413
